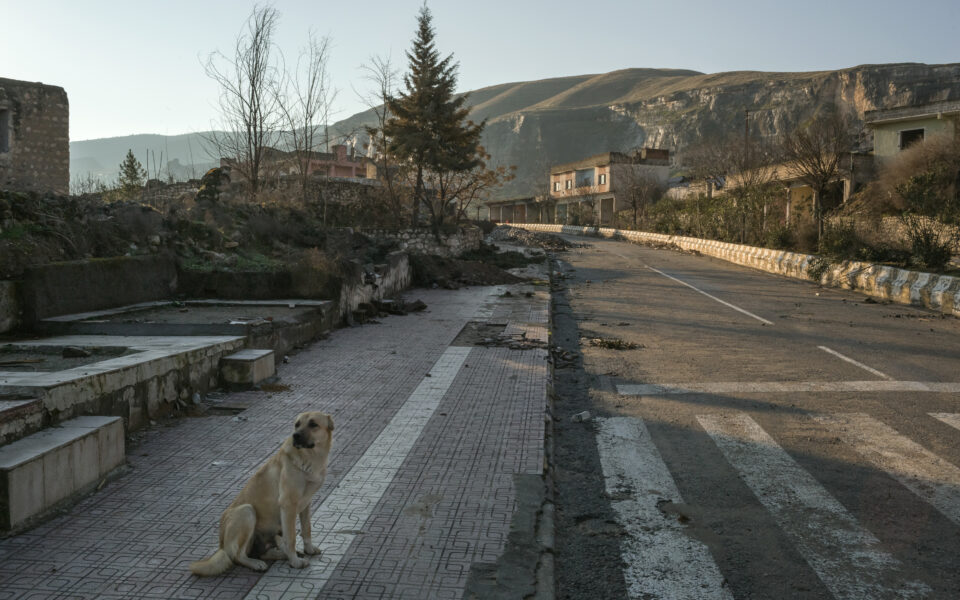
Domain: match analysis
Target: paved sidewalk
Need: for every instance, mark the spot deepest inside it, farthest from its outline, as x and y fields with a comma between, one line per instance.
x=429, y=435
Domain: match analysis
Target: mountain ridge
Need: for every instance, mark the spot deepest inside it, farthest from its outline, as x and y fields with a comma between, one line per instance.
x=533, y=124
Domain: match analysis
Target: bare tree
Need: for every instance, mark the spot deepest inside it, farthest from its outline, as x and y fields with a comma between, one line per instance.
x=249, y=112
x=304, y=100
x=639, y=191
x=382, y=77
x=815, y=153
x=456, y=191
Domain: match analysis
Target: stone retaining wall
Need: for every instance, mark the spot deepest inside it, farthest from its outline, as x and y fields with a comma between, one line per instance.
x=422, y=241
x=84, y=285
x=939, y=292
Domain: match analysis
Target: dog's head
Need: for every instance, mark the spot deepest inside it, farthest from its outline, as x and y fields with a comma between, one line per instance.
x=313, y=429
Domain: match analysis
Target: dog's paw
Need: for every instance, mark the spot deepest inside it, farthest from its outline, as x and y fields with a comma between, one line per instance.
x=258, y=565
x=310, y=549
x=298, y=563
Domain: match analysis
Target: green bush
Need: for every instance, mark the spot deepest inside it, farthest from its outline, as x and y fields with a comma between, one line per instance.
x=930, y=217
x=841, y=241
x=780, y=237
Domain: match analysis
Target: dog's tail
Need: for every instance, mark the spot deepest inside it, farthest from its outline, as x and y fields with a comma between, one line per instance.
x=216, y=564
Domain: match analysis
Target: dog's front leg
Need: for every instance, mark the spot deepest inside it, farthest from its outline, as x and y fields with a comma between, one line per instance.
x=305, y=532
x=288, y=524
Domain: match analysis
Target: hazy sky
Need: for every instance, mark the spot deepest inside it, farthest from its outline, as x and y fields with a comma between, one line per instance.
x=134, y=66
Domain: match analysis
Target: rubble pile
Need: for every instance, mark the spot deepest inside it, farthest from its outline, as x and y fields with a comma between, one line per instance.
x=547, y=241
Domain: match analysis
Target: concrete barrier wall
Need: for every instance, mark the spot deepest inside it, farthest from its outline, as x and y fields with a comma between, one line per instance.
x=939, y=292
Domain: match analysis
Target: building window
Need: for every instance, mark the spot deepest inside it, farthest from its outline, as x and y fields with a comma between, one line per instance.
x=4, y=130
x=569, y=184
x=556, y=186
x=602, y=178
x=909, y=137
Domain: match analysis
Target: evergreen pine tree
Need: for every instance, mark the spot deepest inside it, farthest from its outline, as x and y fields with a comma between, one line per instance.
x=428, y=128
x=132, y=176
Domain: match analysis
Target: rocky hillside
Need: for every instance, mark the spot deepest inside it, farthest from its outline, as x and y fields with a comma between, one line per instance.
x=536, y=124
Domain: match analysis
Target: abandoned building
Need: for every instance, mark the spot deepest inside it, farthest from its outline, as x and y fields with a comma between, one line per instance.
x=597, y=184
x=897, y=128
x=339, y=163
x=34, y=137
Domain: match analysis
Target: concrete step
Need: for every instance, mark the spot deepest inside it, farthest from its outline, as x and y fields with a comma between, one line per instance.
x=55, y=465
x=19, y=417
x=247, y=367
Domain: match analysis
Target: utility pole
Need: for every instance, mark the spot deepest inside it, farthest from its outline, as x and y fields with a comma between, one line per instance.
x=746, y=136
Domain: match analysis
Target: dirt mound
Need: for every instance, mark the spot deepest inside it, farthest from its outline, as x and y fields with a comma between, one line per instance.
x=536, y=239
x=452, y=273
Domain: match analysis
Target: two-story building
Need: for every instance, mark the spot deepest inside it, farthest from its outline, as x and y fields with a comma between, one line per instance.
x=34, y=137
x=593, y=190
x=339, y=163
x=895, y=129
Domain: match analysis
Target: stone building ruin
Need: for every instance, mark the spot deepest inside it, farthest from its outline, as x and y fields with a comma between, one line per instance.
x=34, y=137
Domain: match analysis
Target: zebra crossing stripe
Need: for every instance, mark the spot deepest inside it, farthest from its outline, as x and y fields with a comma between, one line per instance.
x=662, y=561
x=919, y=470
x=951, y=419
x=784, y=387
x=845, y=556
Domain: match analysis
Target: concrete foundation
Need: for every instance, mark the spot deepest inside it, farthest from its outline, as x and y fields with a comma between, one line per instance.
x=137, y=387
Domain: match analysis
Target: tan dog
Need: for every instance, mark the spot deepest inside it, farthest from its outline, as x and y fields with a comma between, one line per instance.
x=261, y=522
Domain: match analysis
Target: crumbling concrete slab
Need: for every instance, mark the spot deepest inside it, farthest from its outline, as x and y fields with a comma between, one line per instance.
x=19, y=417
x=247, y=368
x=56, y=464
x=278, y=324
x=137, y=387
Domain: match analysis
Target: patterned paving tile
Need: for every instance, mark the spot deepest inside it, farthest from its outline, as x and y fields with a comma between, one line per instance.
x=447, y=503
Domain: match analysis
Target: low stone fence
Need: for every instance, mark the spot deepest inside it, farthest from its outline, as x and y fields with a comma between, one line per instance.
x=423, y=241
x=939, y=292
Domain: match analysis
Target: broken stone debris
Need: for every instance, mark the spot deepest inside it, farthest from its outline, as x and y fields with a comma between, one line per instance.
x=75, y=352
x=581, y=417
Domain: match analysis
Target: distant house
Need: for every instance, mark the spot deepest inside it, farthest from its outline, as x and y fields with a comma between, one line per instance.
x=897, y=128
x=597, y=184
x=34, y=137
x=339, y=163
x=530, y=209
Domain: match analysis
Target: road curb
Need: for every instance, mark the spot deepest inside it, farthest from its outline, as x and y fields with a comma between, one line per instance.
x=903, y=286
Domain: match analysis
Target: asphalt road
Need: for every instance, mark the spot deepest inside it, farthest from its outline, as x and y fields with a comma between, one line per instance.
x=766, y=438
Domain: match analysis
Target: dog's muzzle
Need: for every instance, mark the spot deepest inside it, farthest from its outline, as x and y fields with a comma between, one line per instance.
x=300, y=442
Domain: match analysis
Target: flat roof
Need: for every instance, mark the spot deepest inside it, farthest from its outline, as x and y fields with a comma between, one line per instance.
x=910, y=113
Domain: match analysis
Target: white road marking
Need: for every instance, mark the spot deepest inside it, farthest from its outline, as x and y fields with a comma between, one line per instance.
x=844, y=555
x=723, y=302
x=856, y=363
x=344, y=512
x=921, y=471
x=785, y=387
x=662, y=561
x=951, y=419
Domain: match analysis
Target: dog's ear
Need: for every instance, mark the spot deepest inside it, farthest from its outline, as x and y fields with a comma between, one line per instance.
x=329, y=423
